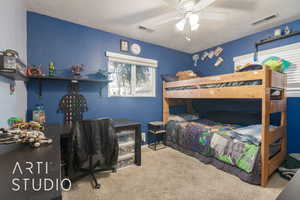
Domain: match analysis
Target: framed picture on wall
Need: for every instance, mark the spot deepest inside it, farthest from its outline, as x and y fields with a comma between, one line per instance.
x=124, y=45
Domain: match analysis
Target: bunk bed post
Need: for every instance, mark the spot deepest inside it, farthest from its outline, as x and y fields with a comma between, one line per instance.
x=166, y=105
x=189, y=104
x=265, y=111
x=283, y=121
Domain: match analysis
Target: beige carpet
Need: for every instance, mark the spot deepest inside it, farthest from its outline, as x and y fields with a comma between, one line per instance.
x=171, y=175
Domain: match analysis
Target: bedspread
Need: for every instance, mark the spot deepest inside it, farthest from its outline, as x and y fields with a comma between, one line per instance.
x=215, y=140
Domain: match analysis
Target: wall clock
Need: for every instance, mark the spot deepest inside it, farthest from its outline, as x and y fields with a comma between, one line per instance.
x=135, y=49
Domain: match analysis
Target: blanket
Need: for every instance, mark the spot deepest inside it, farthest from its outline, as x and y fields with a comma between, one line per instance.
x=212, y=139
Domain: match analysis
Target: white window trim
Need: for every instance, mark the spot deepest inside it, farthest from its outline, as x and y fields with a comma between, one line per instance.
x=133, y=60
x=289, y=52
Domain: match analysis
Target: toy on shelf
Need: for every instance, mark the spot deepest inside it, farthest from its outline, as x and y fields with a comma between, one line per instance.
x=38, y=114
x=14, y=120
x=103, y=74
x=77, y=69
x=25, y=132
x=34, y=70
x=51, y=69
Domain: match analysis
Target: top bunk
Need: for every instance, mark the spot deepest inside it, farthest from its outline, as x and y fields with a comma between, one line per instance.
x=255, y=84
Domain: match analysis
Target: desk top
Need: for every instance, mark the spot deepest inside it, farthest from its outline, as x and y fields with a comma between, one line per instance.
x=49, y=155
x=291, y=192
x=118, y=123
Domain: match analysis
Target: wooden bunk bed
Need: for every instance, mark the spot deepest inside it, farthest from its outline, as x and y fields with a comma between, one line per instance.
x=270, y=80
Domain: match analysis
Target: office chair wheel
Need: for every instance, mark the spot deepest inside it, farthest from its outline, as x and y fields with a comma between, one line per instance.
x=97, y=186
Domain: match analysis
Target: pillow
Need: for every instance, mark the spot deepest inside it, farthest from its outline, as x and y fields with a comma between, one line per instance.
x=253, y=131
x=168, y=77
x=276, y=63
x=233, y=117
x=176, y=118
x=183, y=117
x=250, y=67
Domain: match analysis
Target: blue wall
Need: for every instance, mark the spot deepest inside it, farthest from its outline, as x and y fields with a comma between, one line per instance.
x=65, y=43
x=244, y=46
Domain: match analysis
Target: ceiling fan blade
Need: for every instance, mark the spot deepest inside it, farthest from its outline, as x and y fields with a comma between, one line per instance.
x=213, y=15
x=203, y=4
x=161, y=20
x=171, y=3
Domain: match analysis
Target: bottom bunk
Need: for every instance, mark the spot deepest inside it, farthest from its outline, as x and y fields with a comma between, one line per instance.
x=232, y=148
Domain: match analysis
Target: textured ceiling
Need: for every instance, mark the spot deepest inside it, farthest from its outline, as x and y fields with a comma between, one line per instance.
x=123, y=17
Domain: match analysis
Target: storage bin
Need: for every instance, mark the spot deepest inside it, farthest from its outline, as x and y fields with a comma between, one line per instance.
x=126, y=148
x=126, y=136
x=125, y=161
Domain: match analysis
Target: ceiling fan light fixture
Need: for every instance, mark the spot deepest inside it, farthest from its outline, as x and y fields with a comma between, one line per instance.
x=194, y=19
x=180, y=25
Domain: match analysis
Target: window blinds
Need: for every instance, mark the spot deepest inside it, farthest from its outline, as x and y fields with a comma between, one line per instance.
x=288, y=52
x=116, y=57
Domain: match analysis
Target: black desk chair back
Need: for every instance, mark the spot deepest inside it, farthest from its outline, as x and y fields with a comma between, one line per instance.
x=95, y=147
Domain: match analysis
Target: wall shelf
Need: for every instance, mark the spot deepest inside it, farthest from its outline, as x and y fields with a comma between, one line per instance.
x=71, y=79
x=272, y=39
x=14, y=75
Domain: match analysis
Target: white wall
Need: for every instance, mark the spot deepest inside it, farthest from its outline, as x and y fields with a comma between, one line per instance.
x=13, y=35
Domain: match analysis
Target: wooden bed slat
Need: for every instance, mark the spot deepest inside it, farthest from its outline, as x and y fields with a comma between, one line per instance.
x=278, y=106
x=276, y=134
x=276, y=161
x=240, y=76
x=240, y=92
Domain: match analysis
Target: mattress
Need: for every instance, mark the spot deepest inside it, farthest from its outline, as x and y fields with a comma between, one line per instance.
x=219, y=85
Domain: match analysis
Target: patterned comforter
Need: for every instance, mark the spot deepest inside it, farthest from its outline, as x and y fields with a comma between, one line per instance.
x=216, y=140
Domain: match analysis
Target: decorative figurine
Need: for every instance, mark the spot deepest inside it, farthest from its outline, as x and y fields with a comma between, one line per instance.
x=51, y=69
x=77, y=69
x=34, y=70
x=103, y=74
x=287, y=30
x=277, y=32
x=73, y=105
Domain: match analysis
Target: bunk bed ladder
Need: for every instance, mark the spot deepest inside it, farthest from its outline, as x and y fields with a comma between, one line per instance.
x=270, y=136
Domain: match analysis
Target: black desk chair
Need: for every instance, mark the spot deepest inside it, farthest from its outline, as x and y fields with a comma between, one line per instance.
x=95, y=146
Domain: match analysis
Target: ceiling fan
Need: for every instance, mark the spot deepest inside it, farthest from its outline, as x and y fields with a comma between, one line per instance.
x=187, y=15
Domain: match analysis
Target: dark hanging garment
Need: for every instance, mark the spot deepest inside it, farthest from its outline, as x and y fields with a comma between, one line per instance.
x=96, y=138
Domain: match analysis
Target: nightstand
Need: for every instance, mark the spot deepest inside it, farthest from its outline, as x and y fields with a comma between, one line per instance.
x=156, y=130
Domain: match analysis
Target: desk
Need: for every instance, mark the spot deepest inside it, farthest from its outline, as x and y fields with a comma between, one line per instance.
x=118, y=125
x=24, y=153
x=292, y=190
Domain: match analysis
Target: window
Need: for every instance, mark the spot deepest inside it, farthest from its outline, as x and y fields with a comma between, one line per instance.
x=131, y=76
x=288, y=52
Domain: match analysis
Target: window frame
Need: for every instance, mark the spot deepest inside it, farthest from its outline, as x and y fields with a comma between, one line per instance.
x=134, y=62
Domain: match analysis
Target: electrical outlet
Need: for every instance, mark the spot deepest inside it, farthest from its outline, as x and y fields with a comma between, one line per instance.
x=144, y=137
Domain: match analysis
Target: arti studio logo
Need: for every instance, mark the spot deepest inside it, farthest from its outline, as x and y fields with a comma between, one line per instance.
x=23, y=180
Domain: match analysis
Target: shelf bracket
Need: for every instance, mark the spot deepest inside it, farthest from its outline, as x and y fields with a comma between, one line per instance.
x=40, y=85
x=12, y=87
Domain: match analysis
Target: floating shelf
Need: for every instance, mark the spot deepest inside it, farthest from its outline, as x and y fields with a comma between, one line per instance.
x=71, y=79
x=14, y=75
x=271, y=39
x=74, y=79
